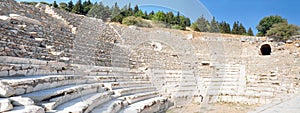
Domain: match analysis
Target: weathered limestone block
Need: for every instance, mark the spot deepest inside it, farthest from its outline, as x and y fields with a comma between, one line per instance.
x=27, y=109
x=5, y=105
x=21, y=101
x=6, y=90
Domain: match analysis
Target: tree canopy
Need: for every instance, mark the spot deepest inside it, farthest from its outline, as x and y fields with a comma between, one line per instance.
x=267, y=22
x=282, y=31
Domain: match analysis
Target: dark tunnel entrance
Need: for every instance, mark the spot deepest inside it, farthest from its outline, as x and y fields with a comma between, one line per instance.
x=265, y=49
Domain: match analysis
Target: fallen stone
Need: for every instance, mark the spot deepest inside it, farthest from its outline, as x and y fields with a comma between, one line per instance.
x=3, y=17
x=297, y=44
x=5, y=105
x=289, y=41
x=6, y=90
x=21, y=101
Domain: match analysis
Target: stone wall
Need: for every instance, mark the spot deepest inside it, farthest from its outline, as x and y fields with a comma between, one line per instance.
x=28, y=32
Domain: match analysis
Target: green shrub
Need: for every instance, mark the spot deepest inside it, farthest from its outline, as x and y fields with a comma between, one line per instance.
x=178, y=27
x=137, y=21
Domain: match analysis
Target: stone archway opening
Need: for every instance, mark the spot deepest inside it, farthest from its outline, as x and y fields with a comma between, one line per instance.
x=265, y=49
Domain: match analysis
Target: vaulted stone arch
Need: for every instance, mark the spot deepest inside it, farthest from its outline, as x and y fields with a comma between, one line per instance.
x=265, y=49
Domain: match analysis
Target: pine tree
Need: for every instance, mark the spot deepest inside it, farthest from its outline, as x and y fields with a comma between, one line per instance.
x=87, y=5
x=222, y=27
x=159, y=16
x=214, y=28
x=115, y=10
x=170, y=18
x=242, y=30
x=70, y=6
x=136, y=9
x=54, y=4
x=201, y=25
x=146, y=15
x=177, y=20
x=187, y=21
x=250, y=32
x=227, y=28
x=182, y=22
x=63, y=6
x=129, y=11
x=78, y=8
x=151, y=15
x=235, y=28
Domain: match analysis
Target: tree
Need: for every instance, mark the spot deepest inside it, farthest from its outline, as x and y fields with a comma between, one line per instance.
x=282, y=31
x=201, y=25
x=267, y=22
x=136, y=9
x=96, y=11
x=170, y=18
x=242, y=30
x=54, y=4
x=177, y=20
x=129, y=11
x=187, y=22
x=224, y=27
x=146, y=16
x=70, y=6
x=159, y=16
x=140, y=13
x=235, y=28
x=78, y=8
x=182, y=22
x=87, y=5
x=46, y=3
x=250, y=32
x=63, y=6
x=115, y=10
x=214, y=28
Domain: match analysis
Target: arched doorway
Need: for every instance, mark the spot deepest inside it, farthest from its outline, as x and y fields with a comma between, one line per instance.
x=265, y=49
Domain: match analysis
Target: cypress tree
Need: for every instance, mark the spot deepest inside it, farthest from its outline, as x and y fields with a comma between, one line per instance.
x=55, y=4
x=242, y=30
x=78, y=8
x=70, y=6
x=250, y=32
x=214, y=28
x=235, y=28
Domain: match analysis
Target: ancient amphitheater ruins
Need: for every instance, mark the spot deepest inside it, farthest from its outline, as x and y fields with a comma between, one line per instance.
x=54, y=61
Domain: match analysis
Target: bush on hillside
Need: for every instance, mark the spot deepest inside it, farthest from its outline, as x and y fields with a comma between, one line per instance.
x=178, y=27
x=137, y=21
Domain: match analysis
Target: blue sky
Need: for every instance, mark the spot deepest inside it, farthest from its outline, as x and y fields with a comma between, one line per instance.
x=248, y=12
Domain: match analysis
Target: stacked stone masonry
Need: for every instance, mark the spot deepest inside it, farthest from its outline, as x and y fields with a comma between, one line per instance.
x=55, y=61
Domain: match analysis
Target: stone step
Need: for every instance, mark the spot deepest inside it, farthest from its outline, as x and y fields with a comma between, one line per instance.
x=62, y=91
x=112, y=106
x=222, y=83
x=185, y=83
x=132, y=90
x=220, y=79
x=83, y=104
x=120, y=78
x=138, y=97
x=181, y=89
x=119, y=85
x=156, y=104
x=5, y=104
x=227, y=73
x=27, y=109
x=28, y=84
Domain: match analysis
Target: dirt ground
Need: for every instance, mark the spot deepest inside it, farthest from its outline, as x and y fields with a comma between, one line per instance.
x=212, y=108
